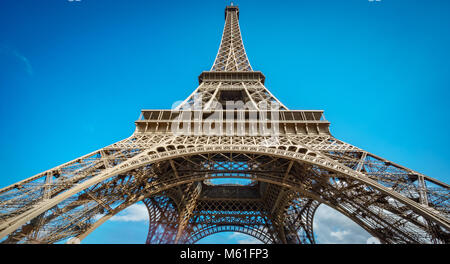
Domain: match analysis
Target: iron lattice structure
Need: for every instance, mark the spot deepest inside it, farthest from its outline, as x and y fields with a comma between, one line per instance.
x=288, y=176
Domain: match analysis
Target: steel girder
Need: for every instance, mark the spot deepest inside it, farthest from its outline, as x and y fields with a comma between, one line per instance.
x=392, y=215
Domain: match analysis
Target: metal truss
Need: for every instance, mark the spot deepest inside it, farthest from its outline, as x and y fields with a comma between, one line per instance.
x=231, y=55
x=288, y=175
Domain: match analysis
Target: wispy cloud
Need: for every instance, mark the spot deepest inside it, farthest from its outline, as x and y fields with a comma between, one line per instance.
x=26, y=62
x=243, y=238
x=8, y=51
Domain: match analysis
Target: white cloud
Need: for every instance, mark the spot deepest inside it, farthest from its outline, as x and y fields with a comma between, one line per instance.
x=250, y=240
x=135, y=213
x=241, y=238
x=340, y=234
x=234, y=235
x=373, y=240
x=332, y=227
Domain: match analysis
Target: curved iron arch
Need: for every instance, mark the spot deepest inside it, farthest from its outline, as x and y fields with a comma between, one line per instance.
x=334, y=206
x=150, y=157
x=210, y=230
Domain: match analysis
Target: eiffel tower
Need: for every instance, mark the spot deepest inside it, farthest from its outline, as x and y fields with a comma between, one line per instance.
x=282, y=164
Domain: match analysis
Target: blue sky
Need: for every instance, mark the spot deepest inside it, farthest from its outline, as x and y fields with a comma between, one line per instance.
x=74, y=75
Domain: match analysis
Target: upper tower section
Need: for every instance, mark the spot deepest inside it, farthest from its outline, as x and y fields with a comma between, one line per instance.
x=231, y=56
x=233, y=8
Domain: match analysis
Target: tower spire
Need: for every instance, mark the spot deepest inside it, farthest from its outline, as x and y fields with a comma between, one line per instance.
x=231, y=55
x=231, y=77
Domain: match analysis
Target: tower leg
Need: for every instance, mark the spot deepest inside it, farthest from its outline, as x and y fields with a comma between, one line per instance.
x=189, y=203
x=163, y=217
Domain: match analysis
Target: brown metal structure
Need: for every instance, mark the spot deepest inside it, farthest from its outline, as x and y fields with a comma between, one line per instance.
x=289, y=167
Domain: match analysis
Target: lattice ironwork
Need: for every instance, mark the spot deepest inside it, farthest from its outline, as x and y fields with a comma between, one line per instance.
x=286, y=176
